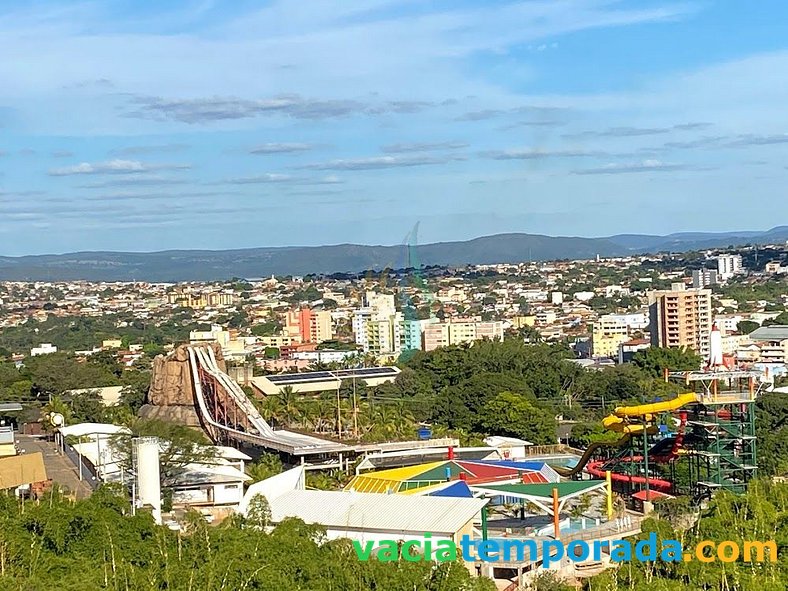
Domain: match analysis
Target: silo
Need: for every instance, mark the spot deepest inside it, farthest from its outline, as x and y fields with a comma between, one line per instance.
x=146, y=469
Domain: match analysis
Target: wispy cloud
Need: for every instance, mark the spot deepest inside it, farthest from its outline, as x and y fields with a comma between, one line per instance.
x=381, y=162
x=174, y=197
x=62, y=154
x=701, y=142
x=539, y=111
x=634, y=167
x=423, y=147
x=278, y=178
x=201, y=110
x=759, y=140
x=533, y=123
x=117, y=166
x=281, y=148
x=151, y=149
x=480, y=115
x=133, y=181
x=261, y=179
x=626, y=131
x=538, y=154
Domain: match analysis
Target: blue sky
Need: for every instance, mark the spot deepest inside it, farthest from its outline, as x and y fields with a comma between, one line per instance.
x=142, y=125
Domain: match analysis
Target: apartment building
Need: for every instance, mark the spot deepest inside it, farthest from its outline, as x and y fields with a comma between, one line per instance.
x=607, y=334
x=729, y=265
x=377, y=326
x=198, y=301
x=772, y=343
x=310, y=326
x=460, y=331
x=704, y=278
x=681, y=317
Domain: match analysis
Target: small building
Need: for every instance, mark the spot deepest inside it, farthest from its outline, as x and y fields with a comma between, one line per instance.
x=7, y=441
x=627, y=349
x=24, y=470
x=43, y=349
x=509, y=448
x=217, y=482
x=323, y=381
x=109, y=395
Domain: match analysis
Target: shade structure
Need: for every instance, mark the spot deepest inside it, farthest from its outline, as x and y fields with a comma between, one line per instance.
x=411, y=478
x=452, y=488
x=541, y=493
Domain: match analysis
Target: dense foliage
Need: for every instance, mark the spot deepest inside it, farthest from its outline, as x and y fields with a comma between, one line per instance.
x=759, y=515
x=94, y=544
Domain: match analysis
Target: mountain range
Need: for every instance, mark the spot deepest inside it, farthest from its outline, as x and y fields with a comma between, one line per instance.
x=211, y=265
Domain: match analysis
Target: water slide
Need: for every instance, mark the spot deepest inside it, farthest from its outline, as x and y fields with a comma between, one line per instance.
x=611, y=423
x=657, y=407
x=263, y=434
x=618, y=422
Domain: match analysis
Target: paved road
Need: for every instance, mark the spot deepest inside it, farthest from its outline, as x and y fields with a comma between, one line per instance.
x=59, y=467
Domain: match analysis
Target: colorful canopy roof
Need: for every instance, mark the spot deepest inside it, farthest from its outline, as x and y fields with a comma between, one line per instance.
x=543, y=491
x=400, y=480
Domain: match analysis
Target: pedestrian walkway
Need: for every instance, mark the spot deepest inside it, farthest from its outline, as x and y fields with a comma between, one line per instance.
x=59, y=468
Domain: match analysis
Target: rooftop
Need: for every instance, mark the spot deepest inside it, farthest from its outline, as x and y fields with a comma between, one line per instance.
x=369, y=511
x=775, y=332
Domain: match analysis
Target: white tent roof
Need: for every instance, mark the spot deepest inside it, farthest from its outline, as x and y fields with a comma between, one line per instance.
x=275, y=486
x=230, y=453
x=82, y=429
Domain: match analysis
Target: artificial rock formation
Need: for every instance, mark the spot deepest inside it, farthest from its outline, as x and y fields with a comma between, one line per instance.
x=171, y=393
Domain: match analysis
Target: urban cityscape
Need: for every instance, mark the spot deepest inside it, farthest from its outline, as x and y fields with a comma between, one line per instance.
x=222, y=367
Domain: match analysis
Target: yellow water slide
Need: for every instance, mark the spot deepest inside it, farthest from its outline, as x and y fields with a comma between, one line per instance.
x=656, y=407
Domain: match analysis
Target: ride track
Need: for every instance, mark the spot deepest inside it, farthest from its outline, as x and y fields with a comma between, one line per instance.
x=227, y=414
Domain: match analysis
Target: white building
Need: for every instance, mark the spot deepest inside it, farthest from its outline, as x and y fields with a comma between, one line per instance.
x=217, y=482
x=729, y=265
x=43, y=349
x=368, y=517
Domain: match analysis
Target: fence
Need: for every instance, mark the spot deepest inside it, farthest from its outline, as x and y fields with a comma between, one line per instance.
x=87, y=470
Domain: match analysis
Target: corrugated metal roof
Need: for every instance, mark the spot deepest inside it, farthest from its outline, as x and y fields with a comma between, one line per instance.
x=344, y=510
x=776, y=332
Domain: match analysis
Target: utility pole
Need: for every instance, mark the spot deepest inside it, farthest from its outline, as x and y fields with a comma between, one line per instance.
x=355, y=407
x=339, y=411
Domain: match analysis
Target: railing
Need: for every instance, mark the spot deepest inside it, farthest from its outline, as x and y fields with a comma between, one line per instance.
x=546, y=450
x=87, y=471
x=610, y=529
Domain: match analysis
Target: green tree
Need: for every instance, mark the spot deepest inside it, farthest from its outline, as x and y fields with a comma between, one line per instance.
x=747, y=326
x=265, y=466
x=514, y=415
x=655, y=360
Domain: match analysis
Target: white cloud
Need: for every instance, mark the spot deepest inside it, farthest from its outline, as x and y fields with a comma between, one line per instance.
x=116, y=166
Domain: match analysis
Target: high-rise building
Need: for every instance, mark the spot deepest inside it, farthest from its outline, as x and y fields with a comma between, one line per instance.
x=703, y=278
x=729, y=265
x=377, y=326
x=681, y=317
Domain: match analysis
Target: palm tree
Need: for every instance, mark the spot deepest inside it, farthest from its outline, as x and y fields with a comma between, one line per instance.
x=290, y=410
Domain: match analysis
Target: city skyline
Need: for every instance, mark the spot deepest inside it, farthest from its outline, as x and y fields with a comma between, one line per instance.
x=124, y=126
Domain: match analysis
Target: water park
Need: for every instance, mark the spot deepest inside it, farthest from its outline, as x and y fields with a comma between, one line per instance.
x=690, y=444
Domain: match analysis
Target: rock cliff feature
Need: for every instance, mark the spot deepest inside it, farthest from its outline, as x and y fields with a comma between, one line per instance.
x=171, y=382
x=171, y=393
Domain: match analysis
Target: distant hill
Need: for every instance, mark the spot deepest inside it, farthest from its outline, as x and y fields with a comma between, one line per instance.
x=207, y=265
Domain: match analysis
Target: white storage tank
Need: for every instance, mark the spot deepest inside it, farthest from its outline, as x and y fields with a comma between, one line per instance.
x=146, y=470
